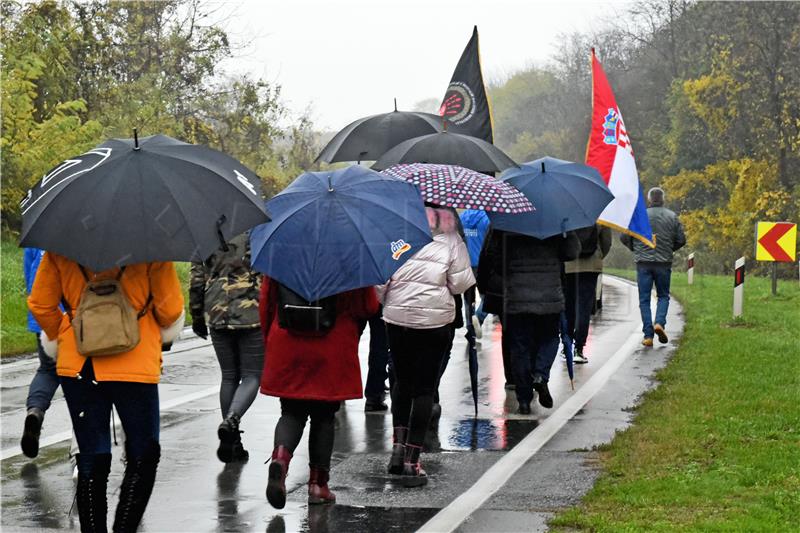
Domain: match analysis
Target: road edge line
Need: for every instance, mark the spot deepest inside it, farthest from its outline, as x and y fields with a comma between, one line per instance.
x=460, y=509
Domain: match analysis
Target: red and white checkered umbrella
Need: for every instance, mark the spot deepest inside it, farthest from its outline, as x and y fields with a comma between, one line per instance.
x=454, y=186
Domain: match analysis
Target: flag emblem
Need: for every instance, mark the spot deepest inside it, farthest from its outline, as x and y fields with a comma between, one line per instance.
x=459, y=103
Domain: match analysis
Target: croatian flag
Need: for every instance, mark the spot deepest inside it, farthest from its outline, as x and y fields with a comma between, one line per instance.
x=609, y=151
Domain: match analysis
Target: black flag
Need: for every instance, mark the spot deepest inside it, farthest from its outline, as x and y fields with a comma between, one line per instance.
x=465, y=101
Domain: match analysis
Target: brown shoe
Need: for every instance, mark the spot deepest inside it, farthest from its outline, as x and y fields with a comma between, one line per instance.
x=647, y=341
x=662, y=335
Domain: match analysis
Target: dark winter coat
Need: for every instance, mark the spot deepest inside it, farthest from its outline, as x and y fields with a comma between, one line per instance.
x=314, y=368
x=522, y=274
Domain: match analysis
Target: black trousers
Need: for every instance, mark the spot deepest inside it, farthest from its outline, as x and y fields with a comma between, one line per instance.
x=289, y=430
x=579, y=295
x=417, y=360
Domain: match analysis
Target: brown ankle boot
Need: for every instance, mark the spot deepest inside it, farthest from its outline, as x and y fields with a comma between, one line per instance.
x=413, y=474
x=276, y=486
x=318, y=491
x=398, y=450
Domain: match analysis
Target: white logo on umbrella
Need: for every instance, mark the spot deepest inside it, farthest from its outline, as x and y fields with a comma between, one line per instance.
x=244, y=181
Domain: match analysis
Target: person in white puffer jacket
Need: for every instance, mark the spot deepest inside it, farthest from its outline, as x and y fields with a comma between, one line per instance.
x=418, y=308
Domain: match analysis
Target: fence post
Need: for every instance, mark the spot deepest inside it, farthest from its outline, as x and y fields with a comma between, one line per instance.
x=738, y=287
x=690, y=268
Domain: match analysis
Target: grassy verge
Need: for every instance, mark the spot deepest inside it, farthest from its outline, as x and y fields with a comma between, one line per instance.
x=14, y=310
x=716, y=447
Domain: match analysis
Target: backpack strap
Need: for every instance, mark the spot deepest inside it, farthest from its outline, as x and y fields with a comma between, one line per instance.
x=146, y=307
x=83, y=271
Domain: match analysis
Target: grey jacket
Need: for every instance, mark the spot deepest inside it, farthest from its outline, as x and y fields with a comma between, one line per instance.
x=668, y=233
x=593, y=263
x=420, y=294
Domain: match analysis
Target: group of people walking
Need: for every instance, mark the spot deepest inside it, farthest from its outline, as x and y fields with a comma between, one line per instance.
x=268, y=338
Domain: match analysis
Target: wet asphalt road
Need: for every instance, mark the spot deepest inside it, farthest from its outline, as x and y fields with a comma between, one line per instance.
x=195, y=492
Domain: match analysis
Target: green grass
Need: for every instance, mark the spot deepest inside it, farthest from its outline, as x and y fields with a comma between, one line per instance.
x=716, y=447
x=14, y=335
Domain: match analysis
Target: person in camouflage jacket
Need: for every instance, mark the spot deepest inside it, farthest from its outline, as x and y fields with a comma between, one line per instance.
x=223, y=298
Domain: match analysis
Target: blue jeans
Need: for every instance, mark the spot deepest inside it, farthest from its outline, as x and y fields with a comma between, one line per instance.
x=647, y=275
x=532, y=345
x=44, y=383
x=377, y=361
x=89, y=403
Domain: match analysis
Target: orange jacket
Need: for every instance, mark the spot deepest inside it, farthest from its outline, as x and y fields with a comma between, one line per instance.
x=59, y=277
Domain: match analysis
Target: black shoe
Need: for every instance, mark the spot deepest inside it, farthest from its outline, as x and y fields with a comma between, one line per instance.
x=372, y=406
x=413, y=474
x=31, y=432
x=398, y=450
x=229, y=439
x=540, y=386
x=524, y=409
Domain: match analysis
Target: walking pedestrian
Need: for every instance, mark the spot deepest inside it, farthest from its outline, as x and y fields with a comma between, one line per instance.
x=419, y=308
x=45, y=382
x=522, y=275
x=223, y=298
x=109, y=353
x=654, y=265
x=580, y=285
x=475, y=223
x=312, y=365
x=377, y=364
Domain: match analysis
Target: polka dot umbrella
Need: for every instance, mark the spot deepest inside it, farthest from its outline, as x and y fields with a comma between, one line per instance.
x=454, y=186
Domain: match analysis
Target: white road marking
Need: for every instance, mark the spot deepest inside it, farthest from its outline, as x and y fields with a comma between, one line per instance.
x=14, y=451
x=452, y=516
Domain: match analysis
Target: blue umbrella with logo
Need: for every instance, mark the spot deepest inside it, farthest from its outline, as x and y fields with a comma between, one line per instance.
x=567, y=196
x=340, y=230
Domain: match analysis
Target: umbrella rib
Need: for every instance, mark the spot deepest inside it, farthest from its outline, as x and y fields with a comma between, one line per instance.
x=353, y=222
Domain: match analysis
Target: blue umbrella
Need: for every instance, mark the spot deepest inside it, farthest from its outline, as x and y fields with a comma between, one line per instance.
x=339, y=230
x=567, y=196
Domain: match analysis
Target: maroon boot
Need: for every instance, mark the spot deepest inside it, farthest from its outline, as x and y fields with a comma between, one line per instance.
x=276, y=486
x=318, y=491
x=398, y=450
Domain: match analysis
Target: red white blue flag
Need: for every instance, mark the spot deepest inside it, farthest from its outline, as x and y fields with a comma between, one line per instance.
x=609, y=151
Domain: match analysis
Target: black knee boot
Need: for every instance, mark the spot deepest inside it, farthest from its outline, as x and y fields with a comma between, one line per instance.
x=91, y=496
x=137, y=485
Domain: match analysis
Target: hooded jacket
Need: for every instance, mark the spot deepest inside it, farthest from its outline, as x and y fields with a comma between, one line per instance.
x=420, y=294
x=59, y=277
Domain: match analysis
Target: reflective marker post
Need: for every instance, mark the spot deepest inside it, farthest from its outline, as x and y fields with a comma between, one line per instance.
x=738, y=287
x=690, y=268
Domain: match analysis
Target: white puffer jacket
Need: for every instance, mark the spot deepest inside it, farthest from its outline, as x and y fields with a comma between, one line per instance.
x=420, y=294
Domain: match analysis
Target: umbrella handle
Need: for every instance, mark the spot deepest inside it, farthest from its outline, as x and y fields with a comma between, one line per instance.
x=223, y=243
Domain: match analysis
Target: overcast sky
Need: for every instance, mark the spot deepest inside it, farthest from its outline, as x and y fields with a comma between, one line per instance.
x=350, y=58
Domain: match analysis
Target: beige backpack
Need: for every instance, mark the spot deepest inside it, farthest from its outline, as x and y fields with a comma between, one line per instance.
x=105, y=322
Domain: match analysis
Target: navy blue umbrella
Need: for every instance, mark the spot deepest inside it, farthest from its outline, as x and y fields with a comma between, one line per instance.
x=339, y=230
x=567, y=196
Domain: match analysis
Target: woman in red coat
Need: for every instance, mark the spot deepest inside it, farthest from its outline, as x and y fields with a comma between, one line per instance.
x=311, y=372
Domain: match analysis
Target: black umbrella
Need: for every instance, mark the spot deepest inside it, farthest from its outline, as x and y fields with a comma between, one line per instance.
x=472, y=352
x=447, y=148
x=368, y=138
x=128, y=202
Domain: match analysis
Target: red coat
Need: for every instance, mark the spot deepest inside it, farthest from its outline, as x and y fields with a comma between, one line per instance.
x=314, y=368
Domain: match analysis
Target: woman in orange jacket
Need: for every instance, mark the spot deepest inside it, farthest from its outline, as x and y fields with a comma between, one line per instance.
x=127, y=380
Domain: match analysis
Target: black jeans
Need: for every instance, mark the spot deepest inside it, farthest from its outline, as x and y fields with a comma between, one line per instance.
x=532, y=344
x=417, y=361
x=89, y=403
x=579, y=292
x=292, y=422
x=240, y=353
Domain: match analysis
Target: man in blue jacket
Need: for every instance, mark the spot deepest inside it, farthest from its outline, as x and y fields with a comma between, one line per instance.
x=45, y=382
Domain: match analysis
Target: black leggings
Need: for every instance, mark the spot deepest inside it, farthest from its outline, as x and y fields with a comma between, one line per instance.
x=289, y=430
x=417, y=359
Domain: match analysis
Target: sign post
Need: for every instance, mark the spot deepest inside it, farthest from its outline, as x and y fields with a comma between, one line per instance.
x=690, y=268
x=738, y=287
x=776, y=242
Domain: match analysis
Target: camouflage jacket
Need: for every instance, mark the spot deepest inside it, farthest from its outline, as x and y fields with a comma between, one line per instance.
x=223, y=288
